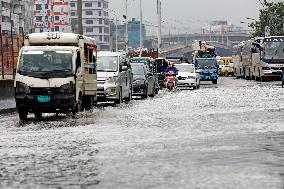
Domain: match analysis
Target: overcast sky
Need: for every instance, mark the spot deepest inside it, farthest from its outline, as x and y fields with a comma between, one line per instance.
x=189, y=15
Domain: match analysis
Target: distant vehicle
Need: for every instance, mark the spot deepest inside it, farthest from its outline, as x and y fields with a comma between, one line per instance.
x=114, y=77
x=204, y=59
x=208, y=69
x=143, y=81
x=56, y=73
x=187, y=76
x=226, y=66
x=176, y=58
x=151, y=66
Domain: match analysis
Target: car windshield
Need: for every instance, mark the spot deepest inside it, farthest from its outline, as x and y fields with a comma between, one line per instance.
x=274, y=50
x=45, y=61
x=137, y=69
x=185, y=68
x=107, y=64
x=207, y=63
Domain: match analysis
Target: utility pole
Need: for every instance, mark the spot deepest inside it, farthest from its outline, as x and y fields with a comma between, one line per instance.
x=116, y=42
x=80, y=21
x=126, y=27
x=141, y=40
x=159, y=25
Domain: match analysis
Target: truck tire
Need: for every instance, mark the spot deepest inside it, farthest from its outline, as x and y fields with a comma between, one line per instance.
x=38, y=115
x=215, y=82
x=145, y=95
x=23, y=114
x=88, y=102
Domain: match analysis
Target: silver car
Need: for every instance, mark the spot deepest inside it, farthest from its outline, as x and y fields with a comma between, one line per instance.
x=115, y=77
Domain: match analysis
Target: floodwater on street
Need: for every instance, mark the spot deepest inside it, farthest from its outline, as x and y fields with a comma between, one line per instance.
x=229, y=135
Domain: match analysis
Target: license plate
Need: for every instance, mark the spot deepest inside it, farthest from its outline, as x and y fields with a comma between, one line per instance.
x=43, y=98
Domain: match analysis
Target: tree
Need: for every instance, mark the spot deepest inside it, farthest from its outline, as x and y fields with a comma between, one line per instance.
x=271, y=16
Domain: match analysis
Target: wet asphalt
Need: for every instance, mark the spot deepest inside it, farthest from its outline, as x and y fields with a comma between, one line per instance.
x=224, y=136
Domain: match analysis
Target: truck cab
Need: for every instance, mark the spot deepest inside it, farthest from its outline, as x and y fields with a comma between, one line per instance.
x=208, y=69
x=56, y=73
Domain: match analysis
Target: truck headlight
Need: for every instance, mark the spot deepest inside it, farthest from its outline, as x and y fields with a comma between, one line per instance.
x=22, y=88
x=112, y=80
x=69, y=88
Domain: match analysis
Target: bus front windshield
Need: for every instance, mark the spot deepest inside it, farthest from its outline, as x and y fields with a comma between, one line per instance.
x=107, y=64
x=207, y=63
x=42, y=63
x=274, y=50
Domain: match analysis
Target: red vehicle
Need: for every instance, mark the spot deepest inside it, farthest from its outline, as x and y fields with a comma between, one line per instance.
x=170, y=81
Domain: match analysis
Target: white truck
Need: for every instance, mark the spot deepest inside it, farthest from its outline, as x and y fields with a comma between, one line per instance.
x=56, y=73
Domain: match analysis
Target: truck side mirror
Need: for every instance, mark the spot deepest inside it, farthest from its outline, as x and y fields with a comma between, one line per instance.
x=124, y=68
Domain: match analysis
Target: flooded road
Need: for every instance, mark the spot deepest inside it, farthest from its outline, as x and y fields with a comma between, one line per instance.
x=225, y=136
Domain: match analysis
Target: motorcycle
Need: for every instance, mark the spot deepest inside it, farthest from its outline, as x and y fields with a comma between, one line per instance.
x=170, y=81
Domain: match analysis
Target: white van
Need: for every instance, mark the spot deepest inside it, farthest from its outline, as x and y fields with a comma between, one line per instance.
x=114, y=77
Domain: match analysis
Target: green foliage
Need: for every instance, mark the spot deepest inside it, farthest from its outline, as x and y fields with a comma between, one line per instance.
x=272, y=16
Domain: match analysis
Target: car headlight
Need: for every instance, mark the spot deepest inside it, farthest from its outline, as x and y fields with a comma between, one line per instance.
x=139, y=82
x=112, y=80
x=69, y=87
x=22, y=88
x=190, y=77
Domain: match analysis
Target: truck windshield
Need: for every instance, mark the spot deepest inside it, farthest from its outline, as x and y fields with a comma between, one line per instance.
x=43, y=63
x=184, y=68
x=107, y=64
x=137, y=69
x=207, y=63
x=274, y=50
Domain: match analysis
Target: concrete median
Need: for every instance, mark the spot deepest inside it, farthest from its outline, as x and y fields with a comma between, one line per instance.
x=7, y=95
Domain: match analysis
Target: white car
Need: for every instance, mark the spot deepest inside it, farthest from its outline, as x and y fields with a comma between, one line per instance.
x=187, y=76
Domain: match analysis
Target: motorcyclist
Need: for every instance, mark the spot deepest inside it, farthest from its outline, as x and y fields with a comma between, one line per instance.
x=171, y=68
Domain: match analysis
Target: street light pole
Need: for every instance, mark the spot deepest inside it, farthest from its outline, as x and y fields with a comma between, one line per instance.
x=141, y=40
x=159, y=25
x=126, y=27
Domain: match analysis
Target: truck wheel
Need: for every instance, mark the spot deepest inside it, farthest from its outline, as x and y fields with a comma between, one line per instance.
x=119, y=100
x=88, y=102
x=214, y=82
x=23, y=114
x=38, y=115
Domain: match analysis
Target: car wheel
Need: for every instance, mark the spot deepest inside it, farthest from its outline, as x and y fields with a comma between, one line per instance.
x=129, y=98
x=153, y=93
x=119, y=100
x=23, y=114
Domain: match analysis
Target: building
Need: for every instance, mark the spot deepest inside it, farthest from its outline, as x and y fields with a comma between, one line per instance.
x=52, y=15
x=18, y=13
x=133, y=33
x=220, y=27
x=96, y=22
